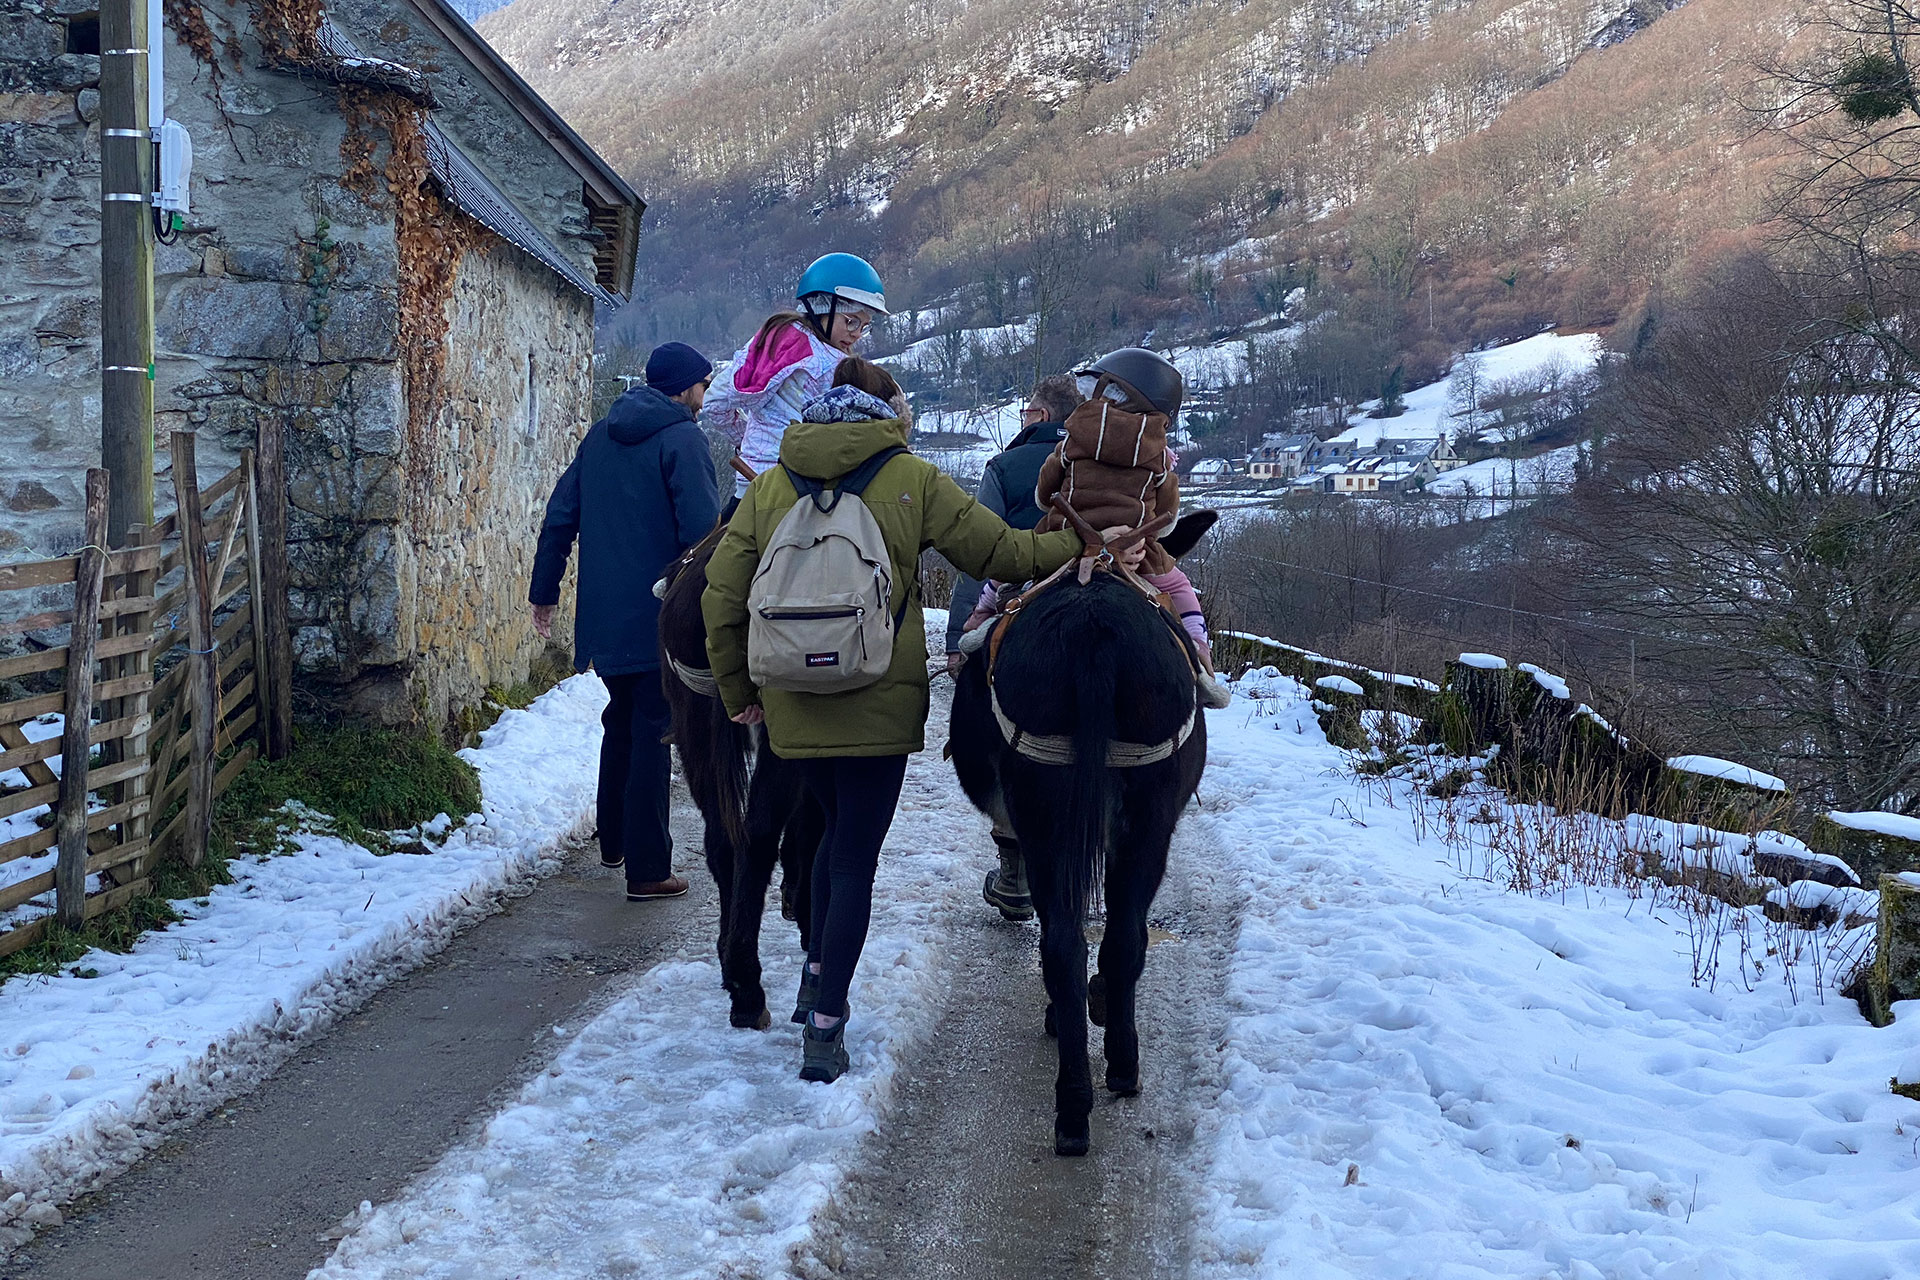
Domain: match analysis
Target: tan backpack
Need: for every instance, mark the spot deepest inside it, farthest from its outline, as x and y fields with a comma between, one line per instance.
x=820, y=613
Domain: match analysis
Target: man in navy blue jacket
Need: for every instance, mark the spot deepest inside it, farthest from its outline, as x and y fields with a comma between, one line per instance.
x=639, y=493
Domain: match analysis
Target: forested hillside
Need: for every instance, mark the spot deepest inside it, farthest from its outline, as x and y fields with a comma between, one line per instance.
x=1469, y=169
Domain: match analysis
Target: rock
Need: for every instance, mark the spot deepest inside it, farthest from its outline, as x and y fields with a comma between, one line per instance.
x=36, y=108
x=228, y=318
x=87, y=105
x=27, y=38
x=1894, y=973
x=73, y=71
x=70, y=317
x=31, y=495
x=43, y=1214
x=1338, y=704
x=1871, y=843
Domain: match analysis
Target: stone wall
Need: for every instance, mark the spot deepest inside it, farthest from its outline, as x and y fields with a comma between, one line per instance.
x=280, y=301
x=517, y=387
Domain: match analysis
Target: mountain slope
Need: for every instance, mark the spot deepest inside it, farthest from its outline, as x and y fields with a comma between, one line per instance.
x=1520, y=160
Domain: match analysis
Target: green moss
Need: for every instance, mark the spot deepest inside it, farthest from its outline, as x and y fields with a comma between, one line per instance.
x=1904, y=1090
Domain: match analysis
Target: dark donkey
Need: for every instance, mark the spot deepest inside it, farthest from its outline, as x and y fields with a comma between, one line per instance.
x=1057, y=732
x=756, y=810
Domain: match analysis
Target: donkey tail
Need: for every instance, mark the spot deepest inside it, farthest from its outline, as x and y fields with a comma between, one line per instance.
x=1090, y=789
x=732, y=749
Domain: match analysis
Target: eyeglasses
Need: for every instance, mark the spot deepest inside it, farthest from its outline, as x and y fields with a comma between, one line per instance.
x=1033, y=411
x=858, y=321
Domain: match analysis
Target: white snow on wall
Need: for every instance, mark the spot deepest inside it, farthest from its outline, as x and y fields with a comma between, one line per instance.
x=1726, y=771
x=1887, y=824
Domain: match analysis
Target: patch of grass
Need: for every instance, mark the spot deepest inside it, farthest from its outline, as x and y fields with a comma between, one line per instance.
x=365, y=780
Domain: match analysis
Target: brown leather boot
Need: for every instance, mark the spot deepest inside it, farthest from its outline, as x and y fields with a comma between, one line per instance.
x=671, y=887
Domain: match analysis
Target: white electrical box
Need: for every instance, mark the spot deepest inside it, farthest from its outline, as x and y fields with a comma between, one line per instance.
x=176, y=167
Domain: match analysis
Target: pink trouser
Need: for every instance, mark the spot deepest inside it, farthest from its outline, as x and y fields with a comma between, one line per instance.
x=1179, y=589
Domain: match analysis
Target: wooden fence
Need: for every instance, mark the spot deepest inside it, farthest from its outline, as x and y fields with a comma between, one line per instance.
x=174, y=677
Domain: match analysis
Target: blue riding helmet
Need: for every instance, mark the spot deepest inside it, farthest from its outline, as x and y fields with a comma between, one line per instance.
x=847, y=277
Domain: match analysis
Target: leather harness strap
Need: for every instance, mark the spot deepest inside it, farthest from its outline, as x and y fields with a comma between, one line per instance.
x=1058, y=748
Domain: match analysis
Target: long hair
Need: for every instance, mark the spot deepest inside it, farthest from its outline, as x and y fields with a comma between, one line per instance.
x=868, y=377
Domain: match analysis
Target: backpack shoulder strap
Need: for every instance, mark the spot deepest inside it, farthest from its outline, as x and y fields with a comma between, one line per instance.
x=855, y=482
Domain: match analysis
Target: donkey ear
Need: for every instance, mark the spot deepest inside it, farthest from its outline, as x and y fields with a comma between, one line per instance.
x=1182, y=538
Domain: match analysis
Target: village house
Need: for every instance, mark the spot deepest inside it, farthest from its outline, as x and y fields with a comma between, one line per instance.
x=394, y=253
x=1280, y=457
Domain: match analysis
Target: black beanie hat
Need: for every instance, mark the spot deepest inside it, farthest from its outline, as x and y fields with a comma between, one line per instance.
x=675, y=366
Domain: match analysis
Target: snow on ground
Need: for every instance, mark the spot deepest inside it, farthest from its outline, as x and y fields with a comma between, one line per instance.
x=1503, y=481
x=1432, y=1078
x=947, y=351
x=1428, y=414
x=25, y=823
x=664, y=1143
x=94, y=1070
x=1726, y=771
x=1879, y=823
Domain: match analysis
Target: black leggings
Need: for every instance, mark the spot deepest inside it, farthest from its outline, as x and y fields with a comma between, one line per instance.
x=859, y=795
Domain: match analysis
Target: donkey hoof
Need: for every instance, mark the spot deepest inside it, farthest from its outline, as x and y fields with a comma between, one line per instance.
x=1097, y=999
x=1053, y=1028
x=751, y=1021
x=1071, y=1141
x=1125, y=1086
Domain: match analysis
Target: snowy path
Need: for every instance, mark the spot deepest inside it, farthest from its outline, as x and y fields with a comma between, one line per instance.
x=1008, y=1209
x=663, y=1143
x=257, y=1190
x=100, y=1064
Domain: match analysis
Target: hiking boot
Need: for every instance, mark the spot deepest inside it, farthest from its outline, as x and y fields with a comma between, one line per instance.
x=1213, y=694
x=809, y=993
x=671, y=887
x=824, y=1052
x=1006, y=888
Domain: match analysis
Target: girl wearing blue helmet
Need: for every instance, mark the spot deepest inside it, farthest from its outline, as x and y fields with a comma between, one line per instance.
x=791, y=360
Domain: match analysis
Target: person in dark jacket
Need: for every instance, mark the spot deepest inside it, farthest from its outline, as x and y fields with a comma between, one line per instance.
x=1007, y=485
x=639, y=493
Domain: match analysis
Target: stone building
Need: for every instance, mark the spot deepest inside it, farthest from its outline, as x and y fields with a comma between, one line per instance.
x=395, y=251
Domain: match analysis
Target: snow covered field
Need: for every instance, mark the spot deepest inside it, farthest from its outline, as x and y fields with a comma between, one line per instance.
x=95, y=1070
x=1428, y=411
x=1431, y=1077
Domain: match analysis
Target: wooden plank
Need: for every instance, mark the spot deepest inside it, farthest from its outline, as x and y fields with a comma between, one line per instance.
x=23, y=891
x=36, y=622
x=235, y=583
x=241, y=691
x=219, y=489
x=116, y=856
x=230, y=535
x=203, y=682
x=14, y=738
x=113, y=899
x=40, y=841
x=26, y=664
x=24, y=936
x=70, y=814
x=237, y=725
x=38, y=573
x=275, y=575
x=231, y=770
x=229, y=630
x=32, y=752
x=132, y=559
x=32, y=798
x=172, y=598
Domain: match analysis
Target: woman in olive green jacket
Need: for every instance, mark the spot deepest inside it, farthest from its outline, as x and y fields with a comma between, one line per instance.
x=854, y=744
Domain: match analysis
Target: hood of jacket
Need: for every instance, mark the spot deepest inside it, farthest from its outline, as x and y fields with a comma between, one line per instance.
x=828, y=450
x=643, y=413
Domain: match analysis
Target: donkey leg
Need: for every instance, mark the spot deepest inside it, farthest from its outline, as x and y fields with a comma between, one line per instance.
x=1135, y=867
x=1063, y=966
x=751, y=872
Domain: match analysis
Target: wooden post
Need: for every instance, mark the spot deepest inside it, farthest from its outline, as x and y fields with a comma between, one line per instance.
x=202, y=688
x=126, y=264
x=89, y=576
x=256, y=606
x=136, y=746
x=276, y=694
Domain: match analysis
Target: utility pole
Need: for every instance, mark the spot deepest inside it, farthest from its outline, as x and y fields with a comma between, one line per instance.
x=126, y=266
